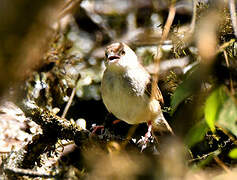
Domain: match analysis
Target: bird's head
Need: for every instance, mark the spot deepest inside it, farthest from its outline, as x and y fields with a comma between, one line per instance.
x=119, y=55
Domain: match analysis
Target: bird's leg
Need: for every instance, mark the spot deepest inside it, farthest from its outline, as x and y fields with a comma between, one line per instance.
x=144, y=140
x=116, y=121
x=148, y=134
x=96, y=128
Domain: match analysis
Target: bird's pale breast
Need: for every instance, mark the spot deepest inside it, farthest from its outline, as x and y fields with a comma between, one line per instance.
x=123, y=95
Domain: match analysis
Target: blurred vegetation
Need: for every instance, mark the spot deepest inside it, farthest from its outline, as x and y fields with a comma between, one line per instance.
x=52, y=62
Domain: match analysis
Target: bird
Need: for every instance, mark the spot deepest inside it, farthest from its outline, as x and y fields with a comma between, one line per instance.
x=126, y=90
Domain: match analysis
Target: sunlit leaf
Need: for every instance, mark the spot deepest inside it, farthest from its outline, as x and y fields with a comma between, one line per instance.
x=227, y=117
x=213, y=105
x=196, y=133
x=233, y=153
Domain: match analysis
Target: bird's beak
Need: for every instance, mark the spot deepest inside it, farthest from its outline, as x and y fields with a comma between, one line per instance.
x=112, y=56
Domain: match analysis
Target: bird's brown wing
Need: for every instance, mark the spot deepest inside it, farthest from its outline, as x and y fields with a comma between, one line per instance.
x=157, y=93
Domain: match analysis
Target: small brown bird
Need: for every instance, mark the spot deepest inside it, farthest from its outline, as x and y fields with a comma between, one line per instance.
x=126, y=90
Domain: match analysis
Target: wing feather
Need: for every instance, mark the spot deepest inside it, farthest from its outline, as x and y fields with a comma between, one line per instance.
x=157, y=93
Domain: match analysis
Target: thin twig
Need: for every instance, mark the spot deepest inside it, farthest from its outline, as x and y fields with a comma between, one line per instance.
x=169, y=22
x=71, y=98
x=231, y=137
x=17, y=172
x=228, y=65
x=233, y=15
x=221, y=164
x=69, y=102
x=68, y=8
x=205, y=156
x=164, y=36
x=192, y=25
x=225, y=45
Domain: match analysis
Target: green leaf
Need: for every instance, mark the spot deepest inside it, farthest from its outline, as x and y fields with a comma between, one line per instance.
x=233, y=153
x=213, y=105
x=196, y=133
x=184, y=90
x=227, y=117
x=188, y=87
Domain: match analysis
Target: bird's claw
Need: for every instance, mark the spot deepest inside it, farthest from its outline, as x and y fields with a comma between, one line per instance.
x=145, y=140
x=95, y=128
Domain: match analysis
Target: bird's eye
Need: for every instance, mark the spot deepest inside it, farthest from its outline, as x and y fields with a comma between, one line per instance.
x=122, y=52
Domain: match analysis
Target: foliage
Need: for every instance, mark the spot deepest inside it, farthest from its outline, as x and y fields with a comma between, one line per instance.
x=213, y=105
x=233, y=153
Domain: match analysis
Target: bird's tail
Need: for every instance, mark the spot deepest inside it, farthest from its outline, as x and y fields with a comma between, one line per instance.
x=161, y=126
